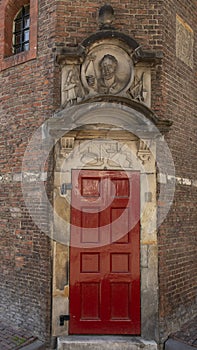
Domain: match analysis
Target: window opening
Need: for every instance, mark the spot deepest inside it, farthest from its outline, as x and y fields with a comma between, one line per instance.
x=21, y=30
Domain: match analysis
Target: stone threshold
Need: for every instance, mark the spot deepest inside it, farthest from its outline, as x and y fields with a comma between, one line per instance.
x=83, y=342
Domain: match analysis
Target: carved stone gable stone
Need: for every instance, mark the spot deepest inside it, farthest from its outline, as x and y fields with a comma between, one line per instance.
x=106, y=63
x=106, y=67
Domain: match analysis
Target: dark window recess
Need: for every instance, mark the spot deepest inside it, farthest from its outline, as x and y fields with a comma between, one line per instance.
x=21, y=30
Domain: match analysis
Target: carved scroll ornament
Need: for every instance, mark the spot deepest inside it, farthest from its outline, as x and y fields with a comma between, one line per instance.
x=143, y=153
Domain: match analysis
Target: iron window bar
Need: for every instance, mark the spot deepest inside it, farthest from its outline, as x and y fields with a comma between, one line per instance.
x=21, y=30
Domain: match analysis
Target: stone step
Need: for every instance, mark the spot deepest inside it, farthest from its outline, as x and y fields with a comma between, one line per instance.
x=81, y=342
x=36, y=345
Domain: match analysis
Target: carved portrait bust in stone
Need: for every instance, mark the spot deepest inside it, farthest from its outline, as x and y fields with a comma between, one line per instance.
x=108, y=81
x=107, y=69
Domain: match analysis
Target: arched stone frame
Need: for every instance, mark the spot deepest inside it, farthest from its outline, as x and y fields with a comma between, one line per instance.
x=141, y=123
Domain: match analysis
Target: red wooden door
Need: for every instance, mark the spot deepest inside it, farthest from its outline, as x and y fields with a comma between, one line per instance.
x=105, y=253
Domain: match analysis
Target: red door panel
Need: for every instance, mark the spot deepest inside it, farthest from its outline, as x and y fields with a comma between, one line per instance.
x=105, y=253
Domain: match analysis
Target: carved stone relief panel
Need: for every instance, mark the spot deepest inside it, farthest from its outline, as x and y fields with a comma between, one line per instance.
x=106, y=69
x=184, y=41
x=72, y=89
x=96, y=154
x=76, y=153
x=140, y=89
x=109, y=154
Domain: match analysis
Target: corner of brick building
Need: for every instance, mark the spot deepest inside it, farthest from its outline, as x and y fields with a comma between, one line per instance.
x=28, y=98
x=176, y=236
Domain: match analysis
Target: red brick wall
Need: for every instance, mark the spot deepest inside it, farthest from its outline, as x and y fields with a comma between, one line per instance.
x=27, y=99
x=140, y=19
x=177, y=248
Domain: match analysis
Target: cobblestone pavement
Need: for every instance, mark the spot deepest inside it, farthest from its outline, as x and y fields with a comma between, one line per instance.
x=187, y=333
x=13, y=339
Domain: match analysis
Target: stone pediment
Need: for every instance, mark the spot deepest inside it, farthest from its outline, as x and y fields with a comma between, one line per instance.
x=107, y=63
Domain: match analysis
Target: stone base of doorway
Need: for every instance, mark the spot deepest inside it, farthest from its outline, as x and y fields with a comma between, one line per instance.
x=81, y=342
